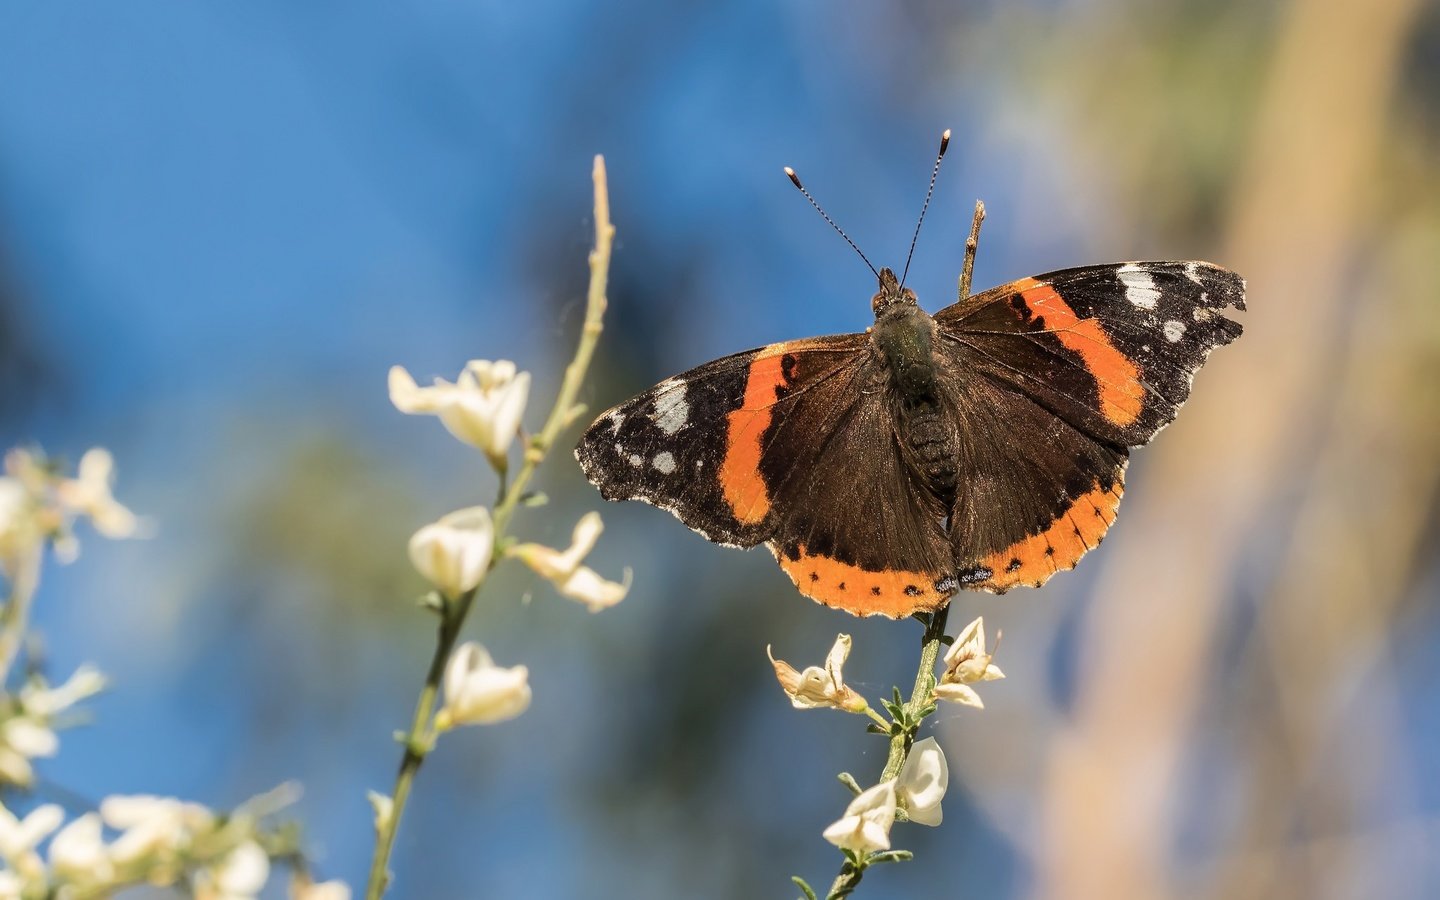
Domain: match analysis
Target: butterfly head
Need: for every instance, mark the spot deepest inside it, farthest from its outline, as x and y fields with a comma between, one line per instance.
x=891, y=294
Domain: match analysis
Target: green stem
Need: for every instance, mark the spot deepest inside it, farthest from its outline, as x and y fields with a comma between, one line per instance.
x=920, y=694
x=903, y=738
x=24, y=580
x=417, y=742
x=420, y=739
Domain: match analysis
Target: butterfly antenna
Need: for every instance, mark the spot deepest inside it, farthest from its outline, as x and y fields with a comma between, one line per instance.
x=934, y=173
x=795, y=179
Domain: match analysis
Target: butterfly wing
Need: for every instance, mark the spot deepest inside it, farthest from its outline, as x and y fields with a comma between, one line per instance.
x=692, y=444
x=1062, y=374
x=853, y=527
x=793, y=445
x=1111, y=349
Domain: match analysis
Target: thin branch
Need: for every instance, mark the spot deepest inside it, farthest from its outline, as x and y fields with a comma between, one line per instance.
x=421, y=737
x=24, y=581
x=566, y=410
x=972, y=243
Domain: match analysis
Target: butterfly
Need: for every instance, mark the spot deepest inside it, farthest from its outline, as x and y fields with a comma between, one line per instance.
x=982, y=447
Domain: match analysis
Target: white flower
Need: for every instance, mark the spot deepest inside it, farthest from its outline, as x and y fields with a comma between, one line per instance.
x=564, y=569
x=11, y=887
x=454, y=553
x=478, y=692
x=37, y=700
x=15, y=769
x=13, y=500
x=966, y=662
x=817, y=688
x=482, y=409
x=325, y=890
x=586, y=586
x=239, y=876
x=89, y=494
x=20, y=533
x=22, y=739
x=865, y=827
x=555, y=565
x=20, y=837
x=78, y=852
x=922, y=782
x=151, y=824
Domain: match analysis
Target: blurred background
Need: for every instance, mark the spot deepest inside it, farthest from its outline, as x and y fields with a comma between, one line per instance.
x=220, y=224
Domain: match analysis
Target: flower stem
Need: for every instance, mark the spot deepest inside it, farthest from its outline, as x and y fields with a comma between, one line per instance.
x=417, y=743
x=420, y=738
x=903, y=737
x=920, y=695
x=24, y=579
x=565, y=410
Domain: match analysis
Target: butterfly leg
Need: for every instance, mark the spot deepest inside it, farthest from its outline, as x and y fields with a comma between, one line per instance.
x=972, y=242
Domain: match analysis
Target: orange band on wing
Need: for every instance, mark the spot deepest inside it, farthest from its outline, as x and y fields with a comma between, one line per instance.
x=740, y=476
x=1032, y=560
x=1121, y=394
x=859, y=591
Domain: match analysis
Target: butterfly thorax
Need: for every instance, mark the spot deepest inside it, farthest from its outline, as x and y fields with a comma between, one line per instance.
x=902, y=343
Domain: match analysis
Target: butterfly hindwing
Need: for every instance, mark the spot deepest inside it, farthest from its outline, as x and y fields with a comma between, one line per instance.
x=1037, y=495
x=852, y=527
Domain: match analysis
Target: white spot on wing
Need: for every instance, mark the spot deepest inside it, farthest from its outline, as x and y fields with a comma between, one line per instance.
x=1192, y=272
x=1139, y=286
x=1174, y=330
x=664, y=461
x=636, y=460
x=616, y=418
x=671, y=411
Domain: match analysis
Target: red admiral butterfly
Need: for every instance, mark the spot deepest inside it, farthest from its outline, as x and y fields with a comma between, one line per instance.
x=982, y=447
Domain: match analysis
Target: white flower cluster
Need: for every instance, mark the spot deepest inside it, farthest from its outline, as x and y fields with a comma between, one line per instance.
x=27, y=730
x=919, y=788
x=38, y=505
x=160, y=841
x=483, y=408
x=924, y=777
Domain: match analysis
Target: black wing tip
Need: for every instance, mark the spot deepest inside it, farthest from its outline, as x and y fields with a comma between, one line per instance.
x=1223, y=287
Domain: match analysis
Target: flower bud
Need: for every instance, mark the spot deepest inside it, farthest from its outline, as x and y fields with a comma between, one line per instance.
x=478, y=692
x=454, y=553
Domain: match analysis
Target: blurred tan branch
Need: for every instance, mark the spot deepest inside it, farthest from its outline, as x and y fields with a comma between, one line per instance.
x=1293, y=230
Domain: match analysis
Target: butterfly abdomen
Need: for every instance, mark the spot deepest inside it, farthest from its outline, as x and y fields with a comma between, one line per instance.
x=931, y=441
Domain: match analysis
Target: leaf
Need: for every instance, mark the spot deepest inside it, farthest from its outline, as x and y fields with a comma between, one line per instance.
x=800, y=883
x=890, y=856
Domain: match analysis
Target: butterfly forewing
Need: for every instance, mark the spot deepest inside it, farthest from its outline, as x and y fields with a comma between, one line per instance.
x=1111, y=349
x=692, y=444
